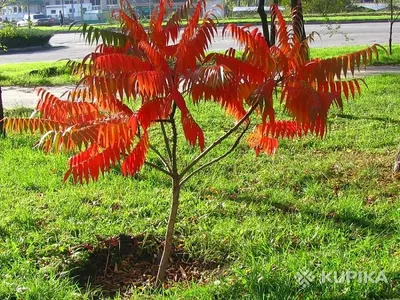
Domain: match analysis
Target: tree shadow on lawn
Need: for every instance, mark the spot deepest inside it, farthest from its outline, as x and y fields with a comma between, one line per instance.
x=340, y=220
x=281, y=285
x=27, y=51
x=122, y=263
x=118, y=264
x=380, y=119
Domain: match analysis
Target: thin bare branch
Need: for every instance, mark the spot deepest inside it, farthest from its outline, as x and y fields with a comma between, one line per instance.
x=219, y=140
x=174, y=149
x=4, y=3
x=396, y=16
x=217, y=159
x=161, y=157
x=167, y=146
x=158, y=168
x=172, y=115
x=162, y=121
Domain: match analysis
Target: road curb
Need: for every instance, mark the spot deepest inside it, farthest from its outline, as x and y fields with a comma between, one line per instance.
x=15, y=97
x=26, y=49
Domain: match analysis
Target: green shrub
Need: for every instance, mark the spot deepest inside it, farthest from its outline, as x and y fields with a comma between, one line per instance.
x=13, y=37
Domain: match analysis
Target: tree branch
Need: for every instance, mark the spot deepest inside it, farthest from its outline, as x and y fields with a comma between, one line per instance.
x=154, y=149
x=166, y=141
x=219, y=140
x=396, y=17
x=158, y=168
x=217, y=159
x=174, y=148
x=172, y=115
x=162, y=121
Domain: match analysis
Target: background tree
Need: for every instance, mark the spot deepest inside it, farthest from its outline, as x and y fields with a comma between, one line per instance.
x=4, y=3
x=394, y=16
x=137, y=86
x=320, y=6
x=264, y=21
x=326, y=7
x=228, y=7
x=296, y=8
x=270, y=38
x=297, y=20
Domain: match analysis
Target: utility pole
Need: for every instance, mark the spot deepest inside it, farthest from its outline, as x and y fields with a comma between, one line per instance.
x=149, y=9
x=81, y=11
x=62, y=9
x=29, y=16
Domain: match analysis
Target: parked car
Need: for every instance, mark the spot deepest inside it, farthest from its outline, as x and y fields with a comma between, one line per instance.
x=36, y=19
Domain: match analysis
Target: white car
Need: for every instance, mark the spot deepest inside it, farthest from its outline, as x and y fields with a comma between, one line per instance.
x=36, y=19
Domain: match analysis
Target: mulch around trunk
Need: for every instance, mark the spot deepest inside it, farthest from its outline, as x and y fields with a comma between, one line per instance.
x=121, y=263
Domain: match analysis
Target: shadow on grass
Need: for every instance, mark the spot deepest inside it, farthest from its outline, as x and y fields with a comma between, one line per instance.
x=340, y=220
x=380, y=119
x=4, y=233
x=261, y=284
x=32, y=51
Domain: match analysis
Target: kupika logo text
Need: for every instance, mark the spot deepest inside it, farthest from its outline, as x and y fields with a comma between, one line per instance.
x=306, y=277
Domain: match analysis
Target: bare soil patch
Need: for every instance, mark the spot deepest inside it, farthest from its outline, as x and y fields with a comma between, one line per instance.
x=118, y=264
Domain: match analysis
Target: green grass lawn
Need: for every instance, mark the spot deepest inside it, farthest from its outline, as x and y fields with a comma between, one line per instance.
x=20, y=74
x=309, y=18
x=36, y=74
x=318, y=204
x=315, y=19
x=384, y=58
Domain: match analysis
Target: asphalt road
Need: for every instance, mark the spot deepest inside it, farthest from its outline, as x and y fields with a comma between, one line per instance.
x=71, y=45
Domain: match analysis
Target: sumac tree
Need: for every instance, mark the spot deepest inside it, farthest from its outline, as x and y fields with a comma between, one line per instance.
x=138, y=80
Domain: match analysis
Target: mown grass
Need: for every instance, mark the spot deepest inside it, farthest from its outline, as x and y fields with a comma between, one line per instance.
x=384, y=58
x=314, y=19
x=44, y=74
x=318, y=204
x=328, y=18
x=36, y=74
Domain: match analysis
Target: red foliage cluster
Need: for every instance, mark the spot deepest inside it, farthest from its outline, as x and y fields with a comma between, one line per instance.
x=159, y=72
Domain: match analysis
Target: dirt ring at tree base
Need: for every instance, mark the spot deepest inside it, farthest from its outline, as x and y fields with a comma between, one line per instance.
x=122, y=263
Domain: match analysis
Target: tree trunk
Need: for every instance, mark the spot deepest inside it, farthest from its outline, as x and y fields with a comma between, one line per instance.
x=2, y=130
x=170, y=232
x=264, y=21
x=396, y=168
x=297, y=19
x=176, y=187
x=391, y=27
x=390, y=38
x=273, y=28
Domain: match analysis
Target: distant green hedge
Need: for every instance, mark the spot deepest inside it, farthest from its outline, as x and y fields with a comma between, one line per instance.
x=13, y=37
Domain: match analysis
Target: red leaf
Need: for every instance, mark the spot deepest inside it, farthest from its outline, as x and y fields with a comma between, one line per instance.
x=136, y=159
x=193, y=133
